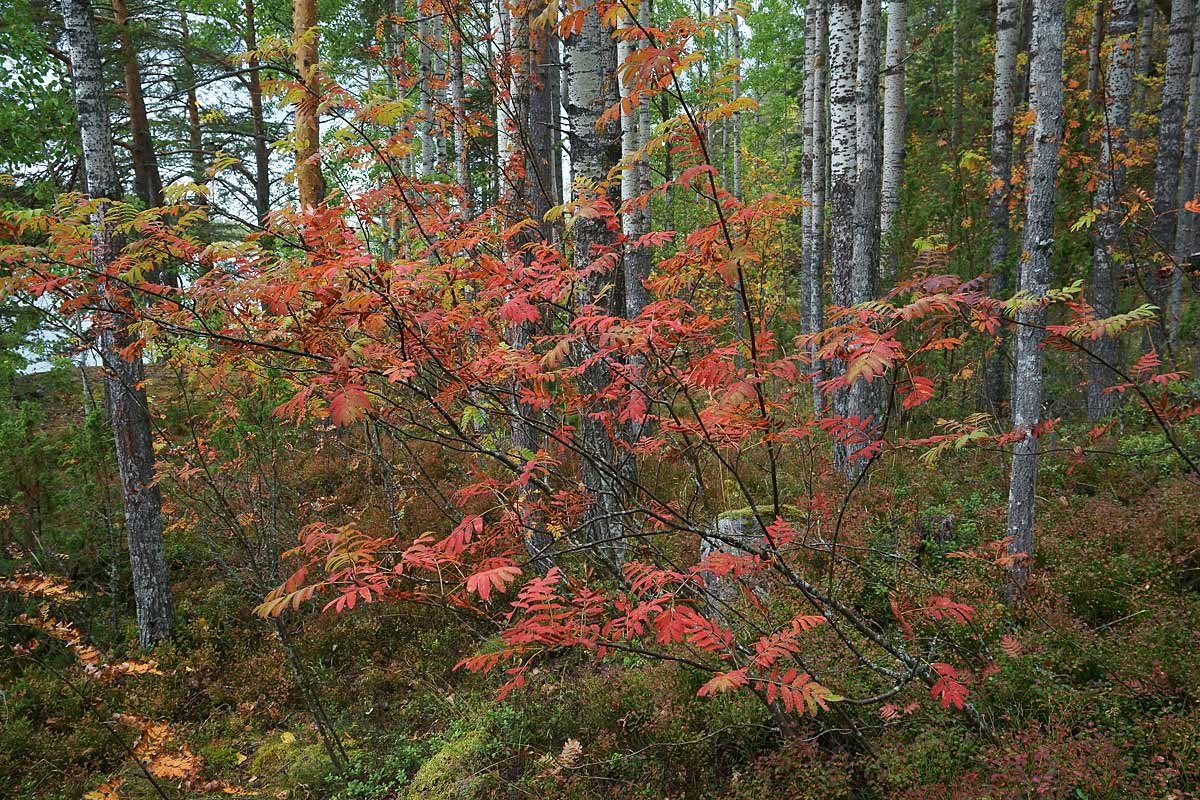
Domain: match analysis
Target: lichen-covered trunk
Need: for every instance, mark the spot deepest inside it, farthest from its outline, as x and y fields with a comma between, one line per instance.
x=309, y=180
x=843, y=38
x=517, y=190
x=1046, y=75
x=1095, y=38
x=1169, y=158
x=894, y=118
x=128, y=412
x=1185, y=228
x=1003, y=91
x=1144, y=55
x=542, y=119
x=812, y=313
x=1110, y=182
x=591, y=61
x=864, y=282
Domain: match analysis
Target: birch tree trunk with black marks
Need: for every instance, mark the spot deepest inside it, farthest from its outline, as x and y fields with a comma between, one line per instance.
x=462, y=172
x=591, y=59
x=805, y=106
x=843, y=37
x=425, y=93
x=1169, y=158
x=635, y=218
x=865, y=264
x=812, y=313
x=1003, y=99
x=894, y=119
x=309, y=180
x=1046, y=75
x=128, y=412
x=1110, y=184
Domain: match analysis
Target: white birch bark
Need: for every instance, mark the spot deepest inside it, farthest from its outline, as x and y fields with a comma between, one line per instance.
x=843, y=38
x=1003, y=100
x=894, y=118
x=814, y=273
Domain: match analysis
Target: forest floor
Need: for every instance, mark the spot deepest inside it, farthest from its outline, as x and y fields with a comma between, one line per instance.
x=1094, y=691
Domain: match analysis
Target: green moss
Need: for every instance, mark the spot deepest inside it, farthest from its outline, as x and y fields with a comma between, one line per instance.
x=456, y=772
x=288, y=761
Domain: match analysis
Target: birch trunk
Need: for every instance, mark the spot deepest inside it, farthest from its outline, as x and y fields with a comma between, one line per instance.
x=128, y=412
x=864, y=268
x=462, y=171
x=591, y=59
x=805, y=105
x=1110, y=185
x=1169, y=158
x=1003, y=89
x=894, y=118
x=1046, y=75
x=309, y=180
x=814, y=273
x=634, y=216
x=843, y=37
x=425, y=92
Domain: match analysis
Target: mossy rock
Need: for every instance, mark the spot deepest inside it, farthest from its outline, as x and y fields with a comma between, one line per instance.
x=456, y=772
x=287, y=761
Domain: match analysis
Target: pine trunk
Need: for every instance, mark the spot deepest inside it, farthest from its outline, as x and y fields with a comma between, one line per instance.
x=128, y=412
x=147, y=181
x=309, y=180
x=1046, y=75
